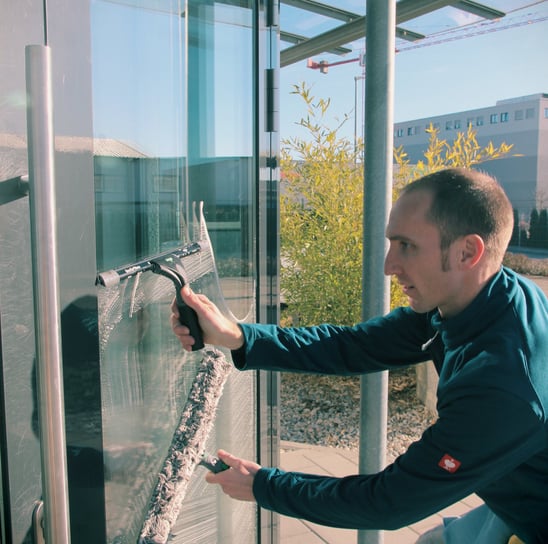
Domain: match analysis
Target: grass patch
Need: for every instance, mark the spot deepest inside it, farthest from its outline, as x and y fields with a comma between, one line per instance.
x=525, y=265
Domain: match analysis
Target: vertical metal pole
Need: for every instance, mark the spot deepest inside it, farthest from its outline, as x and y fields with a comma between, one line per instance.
x=46, y=293
x=378, y=111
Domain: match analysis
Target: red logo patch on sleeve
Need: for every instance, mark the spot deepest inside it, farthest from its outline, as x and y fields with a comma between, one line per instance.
x=449, y=463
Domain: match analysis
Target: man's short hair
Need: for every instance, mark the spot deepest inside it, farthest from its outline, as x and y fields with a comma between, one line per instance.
x=465, y=201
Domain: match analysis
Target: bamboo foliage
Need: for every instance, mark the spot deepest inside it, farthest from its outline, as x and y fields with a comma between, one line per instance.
x=321, y=211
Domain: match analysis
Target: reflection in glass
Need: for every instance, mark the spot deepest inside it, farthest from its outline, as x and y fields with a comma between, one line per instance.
x=173, y=125
x=139, y=121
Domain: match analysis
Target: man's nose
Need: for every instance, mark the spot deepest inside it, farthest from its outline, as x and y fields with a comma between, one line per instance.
x=390, y=265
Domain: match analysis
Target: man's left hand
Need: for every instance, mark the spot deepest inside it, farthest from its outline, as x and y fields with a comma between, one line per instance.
x=237, y=481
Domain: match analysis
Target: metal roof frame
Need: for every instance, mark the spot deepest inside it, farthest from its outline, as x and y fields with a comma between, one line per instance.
x=341, y=15
x=354, y=27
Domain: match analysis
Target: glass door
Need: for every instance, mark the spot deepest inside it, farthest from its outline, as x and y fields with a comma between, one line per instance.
x=156, y=109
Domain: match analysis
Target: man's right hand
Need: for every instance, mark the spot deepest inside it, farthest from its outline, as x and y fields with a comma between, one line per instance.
x=217, y=329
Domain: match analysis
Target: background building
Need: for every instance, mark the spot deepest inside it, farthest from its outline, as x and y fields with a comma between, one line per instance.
x=521, y=121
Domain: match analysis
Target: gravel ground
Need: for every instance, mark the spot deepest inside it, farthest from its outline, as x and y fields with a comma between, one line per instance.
x=324, y=410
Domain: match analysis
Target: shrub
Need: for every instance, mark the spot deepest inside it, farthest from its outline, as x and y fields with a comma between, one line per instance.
x=321, y=212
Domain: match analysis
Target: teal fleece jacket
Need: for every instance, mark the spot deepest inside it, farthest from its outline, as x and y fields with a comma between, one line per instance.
x=491, y=436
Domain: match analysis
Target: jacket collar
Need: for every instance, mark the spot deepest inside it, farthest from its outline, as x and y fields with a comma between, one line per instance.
x=490, y=302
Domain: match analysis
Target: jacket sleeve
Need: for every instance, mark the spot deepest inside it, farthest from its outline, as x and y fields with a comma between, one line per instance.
x=463, y=452
x=378, y=344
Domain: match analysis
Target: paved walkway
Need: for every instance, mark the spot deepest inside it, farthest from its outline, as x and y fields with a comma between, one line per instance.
x=335, y=462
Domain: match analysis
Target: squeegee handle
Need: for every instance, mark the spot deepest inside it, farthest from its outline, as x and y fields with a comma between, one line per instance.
x=189, y=318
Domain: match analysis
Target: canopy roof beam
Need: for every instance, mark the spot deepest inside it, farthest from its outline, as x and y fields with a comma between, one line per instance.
x=354, y=28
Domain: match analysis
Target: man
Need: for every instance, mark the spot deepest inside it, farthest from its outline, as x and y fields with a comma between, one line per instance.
x=485, y=328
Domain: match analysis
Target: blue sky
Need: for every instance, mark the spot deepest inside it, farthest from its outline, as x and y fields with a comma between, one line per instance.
x=454, y=76
x=448, y=77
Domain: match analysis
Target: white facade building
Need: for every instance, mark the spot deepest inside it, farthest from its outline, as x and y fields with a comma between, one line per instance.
x=521, y=121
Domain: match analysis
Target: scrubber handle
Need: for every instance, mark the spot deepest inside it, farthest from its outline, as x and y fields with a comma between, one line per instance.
x=213, y=464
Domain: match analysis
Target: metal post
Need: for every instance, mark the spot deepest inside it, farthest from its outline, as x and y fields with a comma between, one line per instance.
x=46, y=293
x=378, y=113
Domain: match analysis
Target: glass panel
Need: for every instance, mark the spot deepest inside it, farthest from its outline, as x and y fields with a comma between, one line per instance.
x=173, y=125
x=20, y=477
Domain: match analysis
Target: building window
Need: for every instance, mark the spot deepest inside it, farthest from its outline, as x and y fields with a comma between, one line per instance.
x=448, y=125
x=494, y=118
x=479, y=120
x=410, y=131
x=529, y=113
x=457, y=123
x=470, y=122
x=518, y=115
x=399, y=132
x=504, y=117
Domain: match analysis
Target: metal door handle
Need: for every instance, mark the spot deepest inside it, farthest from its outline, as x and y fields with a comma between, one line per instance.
x=38, y=524
x=47, y=326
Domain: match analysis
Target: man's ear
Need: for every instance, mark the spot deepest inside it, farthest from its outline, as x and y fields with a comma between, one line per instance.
x=472, y=249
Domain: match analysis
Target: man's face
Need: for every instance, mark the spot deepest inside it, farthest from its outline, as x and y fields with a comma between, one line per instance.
x=415, y=258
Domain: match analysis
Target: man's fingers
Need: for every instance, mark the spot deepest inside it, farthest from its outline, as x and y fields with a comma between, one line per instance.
x=216, y=328
x=237, y=481
x=228, y=458
x=197, y=301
